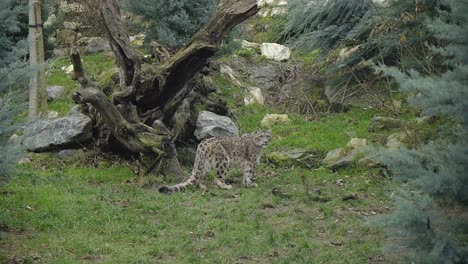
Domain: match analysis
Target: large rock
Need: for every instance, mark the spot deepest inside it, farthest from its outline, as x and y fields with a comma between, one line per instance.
x=379, y=123
x=253, y=95
x=270, y=120
x=95, y=45
x=266, y=76
x=43, y=135
x=212, y=125
x=275, y=51
x=55, y=92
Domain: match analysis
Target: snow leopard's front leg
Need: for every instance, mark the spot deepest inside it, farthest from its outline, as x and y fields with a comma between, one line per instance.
x=249, y=171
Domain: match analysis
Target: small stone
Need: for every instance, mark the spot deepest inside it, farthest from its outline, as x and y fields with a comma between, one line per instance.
x=379, y=123
x=357, y=143
x=138, y=40
x=52, y=114
x=270, y=120
x=368, y=162
x=394, y=141
x=250, y=45
x=68, y=69
x=229, y=72
x=345, y=53
x=15, y=139
x=334, y=155
x=71, y=25
x=24, y=160
x=253, y=95
x=65, y=153
x=396, y=105
x=75, y=110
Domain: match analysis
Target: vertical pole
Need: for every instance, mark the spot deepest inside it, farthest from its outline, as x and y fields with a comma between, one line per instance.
x=37, y=89
x=42, y=91
x=33, y=86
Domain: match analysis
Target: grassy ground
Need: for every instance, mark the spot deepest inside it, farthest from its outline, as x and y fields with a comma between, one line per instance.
x=75, y=214
x=64, y=212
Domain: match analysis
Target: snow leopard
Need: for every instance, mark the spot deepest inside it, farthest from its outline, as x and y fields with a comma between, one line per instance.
x=222, y=153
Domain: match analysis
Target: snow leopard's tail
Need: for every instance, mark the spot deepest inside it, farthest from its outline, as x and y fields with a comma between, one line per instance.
x=178, y=187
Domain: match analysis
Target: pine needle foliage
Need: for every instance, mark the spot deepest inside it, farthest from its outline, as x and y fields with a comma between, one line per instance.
x=170, y=22
x=13, y=69
x=13, y=43
x=431, y=218
x=321, y=24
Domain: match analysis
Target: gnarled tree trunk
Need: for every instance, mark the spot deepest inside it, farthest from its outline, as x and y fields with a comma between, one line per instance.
x=138, y=116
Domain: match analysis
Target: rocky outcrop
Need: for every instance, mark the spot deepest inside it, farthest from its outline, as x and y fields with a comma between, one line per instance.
x=212, y=125
x=275, y=51
x=44, y=135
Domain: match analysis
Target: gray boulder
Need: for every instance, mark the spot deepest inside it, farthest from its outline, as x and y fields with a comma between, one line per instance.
x=95, y=45
x=41, y=135
x=55, y=92
x=266, y=76
x=212, y=125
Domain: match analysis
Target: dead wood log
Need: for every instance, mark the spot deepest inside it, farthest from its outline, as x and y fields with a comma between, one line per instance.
x=153, y=98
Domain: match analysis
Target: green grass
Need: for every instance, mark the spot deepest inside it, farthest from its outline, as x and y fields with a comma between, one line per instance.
x=61, y=211
x=94, y=66
x=101, y=214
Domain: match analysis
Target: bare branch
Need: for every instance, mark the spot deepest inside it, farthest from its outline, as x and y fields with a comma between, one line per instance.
x=127, y=59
